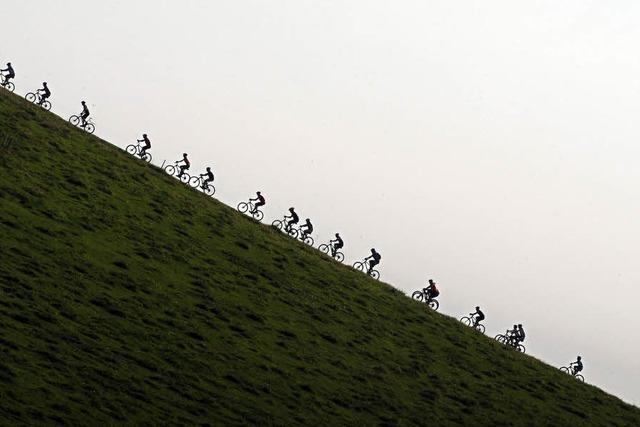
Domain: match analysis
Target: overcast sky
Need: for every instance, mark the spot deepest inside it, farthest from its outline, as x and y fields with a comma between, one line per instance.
x=490, y=145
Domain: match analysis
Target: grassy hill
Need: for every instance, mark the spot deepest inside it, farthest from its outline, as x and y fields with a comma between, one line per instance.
x=126, y=297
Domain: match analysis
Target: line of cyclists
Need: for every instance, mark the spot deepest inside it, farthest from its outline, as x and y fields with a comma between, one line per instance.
x=513, y=337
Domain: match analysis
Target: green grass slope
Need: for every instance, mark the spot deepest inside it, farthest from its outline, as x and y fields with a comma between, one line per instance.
x=128, y=298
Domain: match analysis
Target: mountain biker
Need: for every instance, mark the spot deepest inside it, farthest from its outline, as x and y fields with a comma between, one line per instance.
x=478, y=316
x=209, y=179
x=44, y=93
x=520, y=333
x=10, y=73
x=431, y=291
x=336, y=244
x=85, y=114
x=146, y=146
x=576, y=366
x=259, y=202
x=185, y=166
x=306, y=228
x=294, y=218
x=375, y=259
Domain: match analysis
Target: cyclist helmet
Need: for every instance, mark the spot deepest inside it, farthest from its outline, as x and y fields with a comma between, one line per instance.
x=337, y=234
x=520, y=325
x=208, y=169
x=431, y=282
x=307, y=219
x=9, y=64
x=579, y=358
x=144, y=135
x=258, y=193
x=44, y=83
x=515, y=326
x=184, y=154
x=290, y=209
x=478, y=308
x=83, y=102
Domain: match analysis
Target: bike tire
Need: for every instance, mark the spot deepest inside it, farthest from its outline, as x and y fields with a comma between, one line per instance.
x=375, y=274
x=522, y=349
x=31, y=97
x=418, y=296
x=480, y=328
x=170, y=169
x=10, y=87
x=74, y=120
x=324, y=248
x=210, y=190
x=147, y=157
x=565, y=370
x=466, y=321
x=500, y=338
x=339, y=256
x=90, y=128
x=277, y=224
x=46, y=105
x=243, y=207
x=309, y=241
x=293, y=233
x=194, y=182
x=185, y=178
x=359, y=266
x=258, y=215
x=434, y=305
x=131, y=149
x=579, y=377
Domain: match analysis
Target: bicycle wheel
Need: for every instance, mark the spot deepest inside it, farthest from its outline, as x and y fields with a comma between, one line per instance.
x=90, y=127
x=293, y=233
x=324, y=248
x=171, y=170
x=418, y=296
x=466, y=321
x=74, y=120
x=258, y=215
x=209, y=190
x=375, y=274
x=131, y=149
x=242, y=207
x=434, y=305
x=10, y=87
x=194, y=182
x=579, y=377
x=521, y=348
x=147, y=157
x=31, y=97
x=564, y=369
x=46, y=105
x=359, y=266
x=500, y=338
x=277, y=224
x=339, y=256
x=309, y=240
x=185, y=178
x=480, y=328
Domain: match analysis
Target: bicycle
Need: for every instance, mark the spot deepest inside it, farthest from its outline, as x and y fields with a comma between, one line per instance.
x=471, y=321
x=136, y=149
x=174, y=170
x=8, y=85
x=88, y=126
x=329, y=249
x=283, y=225
x=423, y=297
x=198, y=182
x=364, y=267
x=250, y=207
x=508, y=340
x=304, y=237
x=37, y=99
x=569, y=371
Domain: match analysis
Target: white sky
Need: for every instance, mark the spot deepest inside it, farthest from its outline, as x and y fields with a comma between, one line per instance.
x=491, y=145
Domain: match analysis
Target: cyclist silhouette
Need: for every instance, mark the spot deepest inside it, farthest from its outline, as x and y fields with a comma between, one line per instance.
x=375, y=258
x=431, y=291
x=259, y=202
x=209, y=179
x=145, y=147
x=44, y=93
x=478, y=316
x=10, y=73
x=576, y=366
x=306, y=228
x=336, y=244
x=520, y=334
x=185, y=166
x=85, y=114
x=294, y=218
